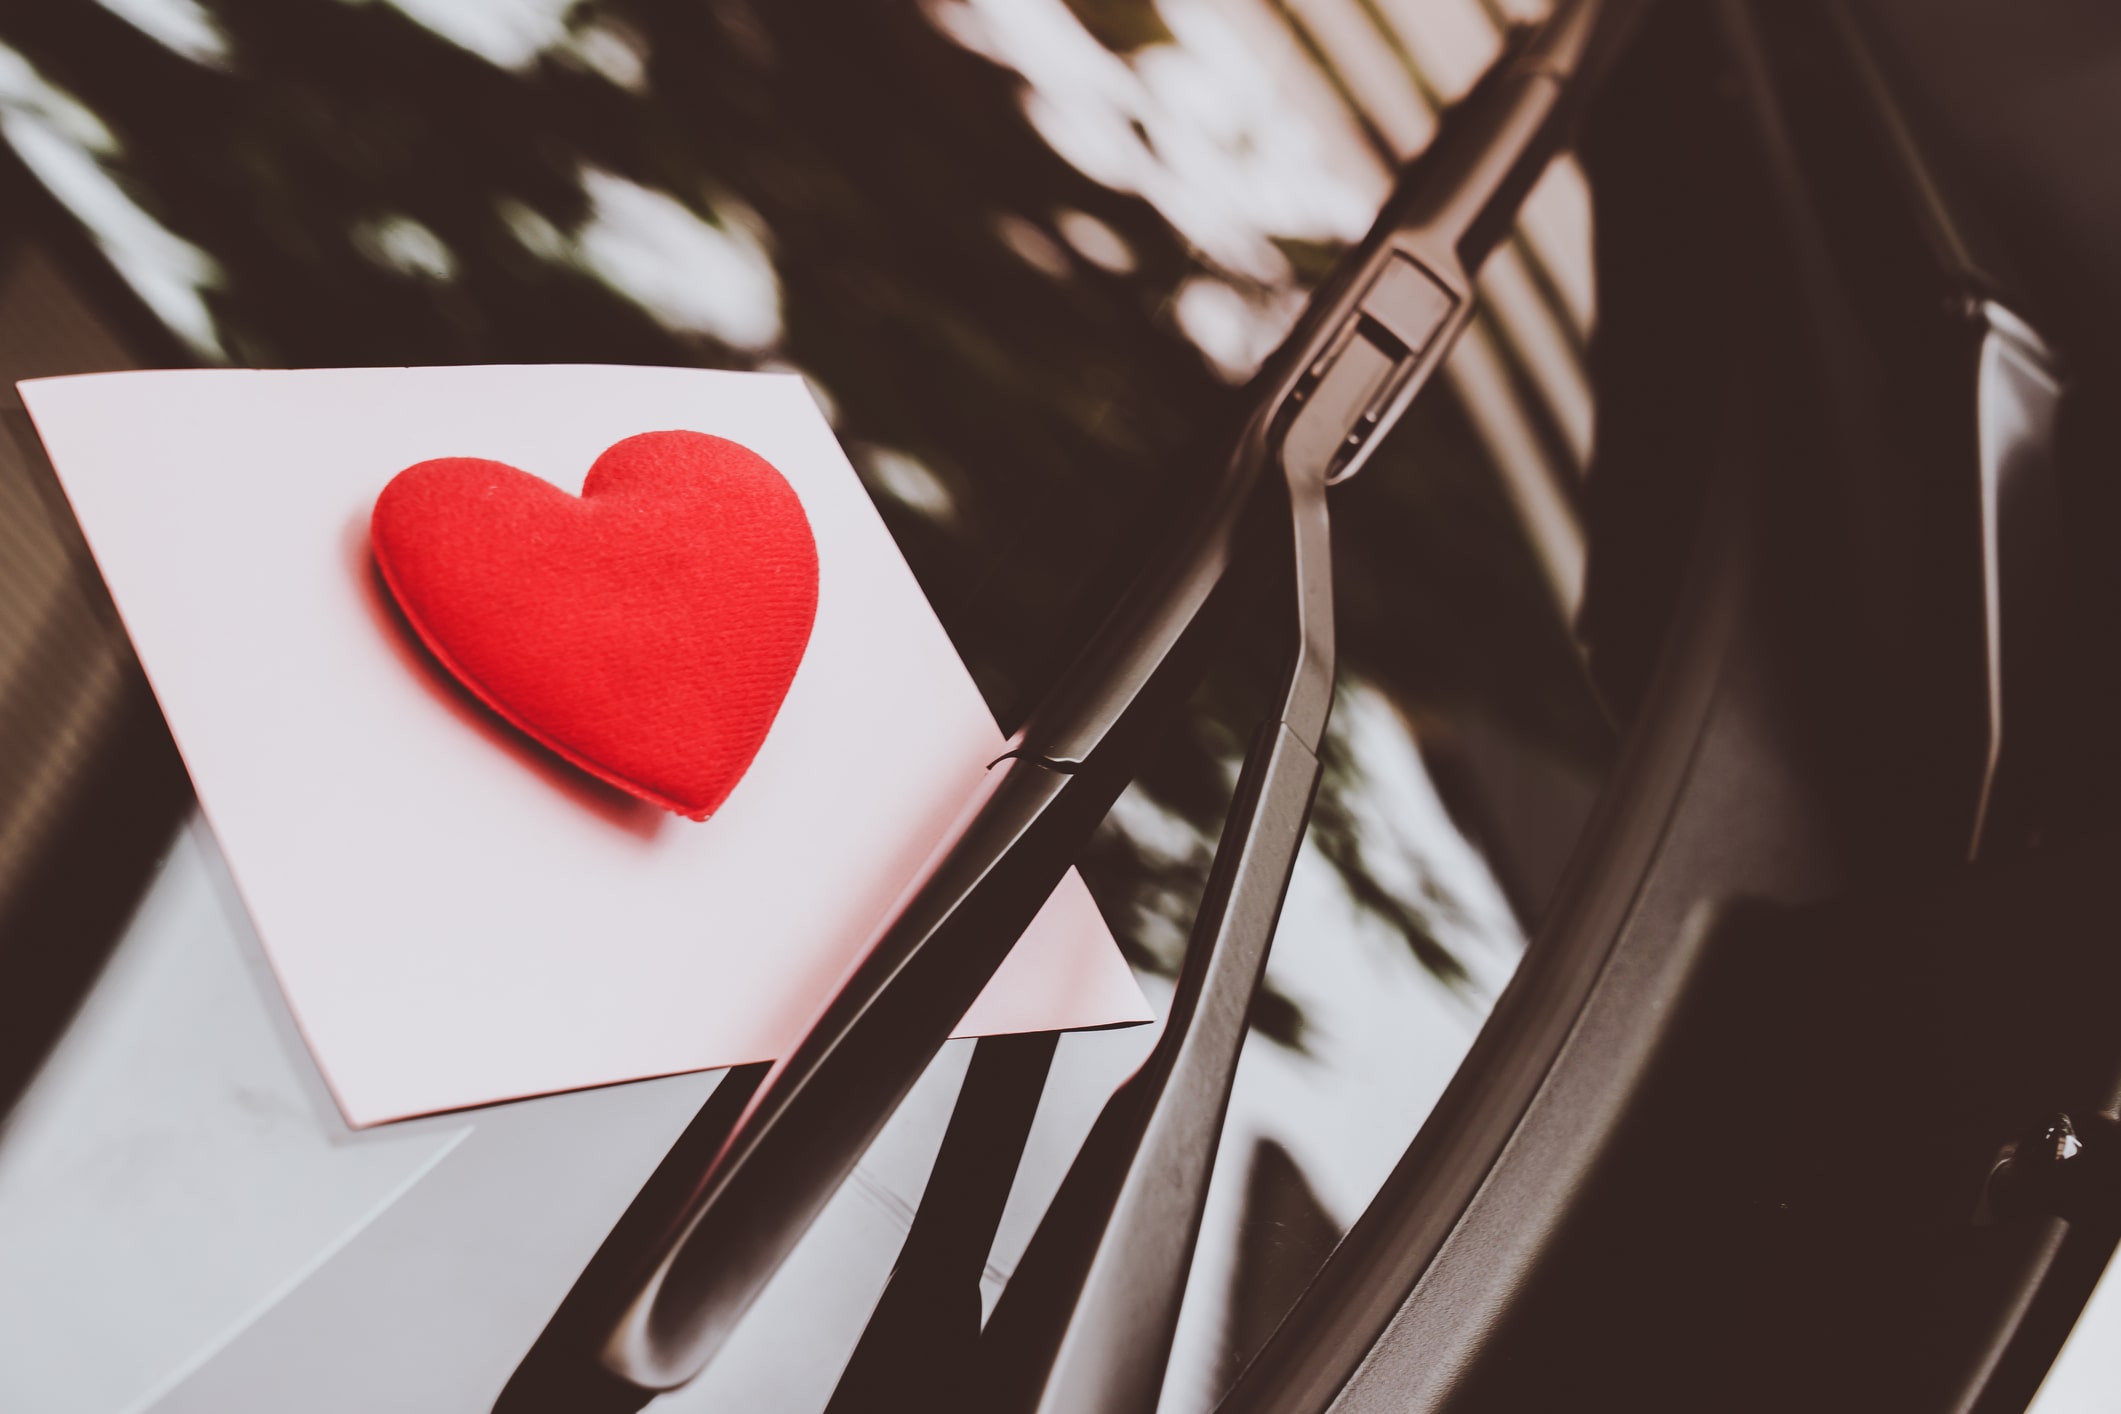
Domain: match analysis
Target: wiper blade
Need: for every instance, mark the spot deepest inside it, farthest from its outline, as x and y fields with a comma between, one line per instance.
x=1369, y=340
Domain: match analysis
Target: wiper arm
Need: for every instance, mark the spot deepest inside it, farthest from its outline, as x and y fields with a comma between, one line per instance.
x=1367, y=343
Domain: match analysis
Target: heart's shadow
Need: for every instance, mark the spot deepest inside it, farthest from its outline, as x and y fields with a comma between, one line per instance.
x=635, y=816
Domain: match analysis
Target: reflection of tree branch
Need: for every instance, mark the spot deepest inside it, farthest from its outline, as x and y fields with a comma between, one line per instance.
x=1339, y=837
x=1151, y=898
x=1122, y=25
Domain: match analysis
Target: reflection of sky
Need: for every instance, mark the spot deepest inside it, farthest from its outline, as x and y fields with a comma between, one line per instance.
x=691, y=275
x=398, y=242
x=1192, y=125
x=2086, y=1378
x=909, y=481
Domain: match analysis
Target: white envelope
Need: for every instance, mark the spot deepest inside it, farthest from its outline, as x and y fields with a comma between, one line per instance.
x=456, y=916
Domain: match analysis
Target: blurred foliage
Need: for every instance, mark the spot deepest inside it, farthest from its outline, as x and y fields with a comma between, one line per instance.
x=882, y=164
x=1122, y=26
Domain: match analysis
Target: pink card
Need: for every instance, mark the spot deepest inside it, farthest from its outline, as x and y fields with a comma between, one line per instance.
x=457, y=916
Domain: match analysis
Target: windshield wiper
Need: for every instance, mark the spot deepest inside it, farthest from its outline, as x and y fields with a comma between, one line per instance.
x=1086, y=1322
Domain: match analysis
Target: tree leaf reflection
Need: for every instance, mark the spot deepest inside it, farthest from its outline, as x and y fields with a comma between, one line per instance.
x=878, y=184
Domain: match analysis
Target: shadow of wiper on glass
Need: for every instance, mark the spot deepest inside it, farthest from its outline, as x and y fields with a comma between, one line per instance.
x=1086, y=1321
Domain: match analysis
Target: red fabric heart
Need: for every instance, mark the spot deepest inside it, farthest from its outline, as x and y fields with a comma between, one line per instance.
x=647, y=630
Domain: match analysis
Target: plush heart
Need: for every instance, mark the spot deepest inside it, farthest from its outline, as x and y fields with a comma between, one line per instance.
x=647, y=630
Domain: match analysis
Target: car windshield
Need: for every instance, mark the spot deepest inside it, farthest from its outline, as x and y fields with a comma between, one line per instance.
x=1027, y=253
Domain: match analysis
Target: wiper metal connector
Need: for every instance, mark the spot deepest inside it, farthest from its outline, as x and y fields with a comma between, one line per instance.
x=1368, y=373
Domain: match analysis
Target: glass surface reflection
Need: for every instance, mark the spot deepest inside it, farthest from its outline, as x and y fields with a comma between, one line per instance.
x=1026, y=251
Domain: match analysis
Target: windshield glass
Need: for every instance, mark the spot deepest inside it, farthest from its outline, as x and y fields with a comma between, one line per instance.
x=1027, y=252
